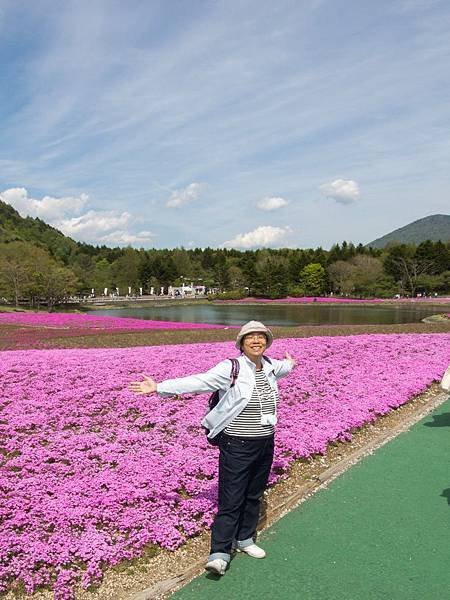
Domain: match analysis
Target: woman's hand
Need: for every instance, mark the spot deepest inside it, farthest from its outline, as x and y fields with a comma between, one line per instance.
x=143, y=387
x=287, y=356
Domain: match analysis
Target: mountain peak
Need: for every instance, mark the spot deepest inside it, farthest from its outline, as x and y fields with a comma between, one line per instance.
x=433, y=227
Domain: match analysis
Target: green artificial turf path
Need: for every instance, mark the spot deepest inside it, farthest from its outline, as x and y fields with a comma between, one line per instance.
x=380, y=531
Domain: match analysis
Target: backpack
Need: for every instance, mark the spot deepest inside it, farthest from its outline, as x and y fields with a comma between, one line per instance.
x=214, y=399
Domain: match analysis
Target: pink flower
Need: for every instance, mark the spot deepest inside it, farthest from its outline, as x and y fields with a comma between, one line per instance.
x=91, y=474
x=77, y=320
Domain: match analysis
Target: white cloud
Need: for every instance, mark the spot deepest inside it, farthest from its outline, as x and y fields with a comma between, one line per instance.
x=95, y=222
x=49, y=208
x=271, y=203
x=344, y=191
x=109, y=227
x=188, y=194
x=264, y=236
x=123, y=238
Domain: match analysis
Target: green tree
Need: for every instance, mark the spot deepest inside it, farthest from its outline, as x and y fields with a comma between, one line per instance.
x=183, y=264
x=436, y=253
x=402, y=264
x=236, y=278
x=313, y=279
x=298, y=259
x=431, y=284
x=55, y=284
x=48, y=281
x=368, y=275
x=15, y=269
x=271, y=276
x=125, y=271
x=342, y=276
x=84, y=267
x=102, y=277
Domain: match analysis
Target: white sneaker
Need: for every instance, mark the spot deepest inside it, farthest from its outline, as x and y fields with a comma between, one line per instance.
x=217, y=566
x=253, y=550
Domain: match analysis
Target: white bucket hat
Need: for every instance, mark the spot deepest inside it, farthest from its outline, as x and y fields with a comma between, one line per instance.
x=254, y=327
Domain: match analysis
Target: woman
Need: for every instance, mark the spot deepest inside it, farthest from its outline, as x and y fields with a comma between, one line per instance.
x=244, y=418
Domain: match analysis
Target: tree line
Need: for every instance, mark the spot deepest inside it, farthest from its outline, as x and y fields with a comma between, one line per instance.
x=34, y=274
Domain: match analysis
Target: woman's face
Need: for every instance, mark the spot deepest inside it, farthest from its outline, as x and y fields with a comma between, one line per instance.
x=254, y=345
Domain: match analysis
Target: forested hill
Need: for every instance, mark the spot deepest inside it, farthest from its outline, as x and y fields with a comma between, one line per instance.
x=38, y=262
x=434, y=228
x=13, y=227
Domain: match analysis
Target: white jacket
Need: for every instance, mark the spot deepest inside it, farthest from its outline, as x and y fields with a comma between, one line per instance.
x=232, y=400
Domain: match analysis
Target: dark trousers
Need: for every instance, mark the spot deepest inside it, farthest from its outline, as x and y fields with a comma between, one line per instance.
x=244, y=467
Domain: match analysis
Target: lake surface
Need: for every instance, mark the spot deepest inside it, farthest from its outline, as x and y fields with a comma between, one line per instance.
x=278, y=314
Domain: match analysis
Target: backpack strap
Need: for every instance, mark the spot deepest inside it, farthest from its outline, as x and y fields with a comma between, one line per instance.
x=234, y=370
x=267, y=358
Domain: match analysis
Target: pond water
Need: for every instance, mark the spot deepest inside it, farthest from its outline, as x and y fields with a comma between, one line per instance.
x=278, y=314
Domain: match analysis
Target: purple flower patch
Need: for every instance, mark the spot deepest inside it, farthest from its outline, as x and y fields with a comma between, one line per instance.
x=91, y=474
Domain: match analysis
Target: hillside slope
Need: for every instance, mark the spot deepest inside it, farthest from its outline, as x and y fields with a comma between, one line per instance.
x=13, y=227
x=433, y=227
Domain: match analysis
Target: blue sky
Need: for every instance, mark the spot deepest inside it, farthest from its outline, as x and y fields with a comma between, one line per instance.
x=225, y=123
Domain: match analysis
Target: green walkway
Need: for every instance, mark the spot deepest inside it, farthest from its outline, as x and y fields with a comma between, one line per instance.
x=380, y=531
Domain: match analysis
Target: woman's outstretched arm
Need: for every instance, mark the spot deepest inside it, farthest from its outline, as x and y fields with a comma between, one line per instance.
x=217, y=378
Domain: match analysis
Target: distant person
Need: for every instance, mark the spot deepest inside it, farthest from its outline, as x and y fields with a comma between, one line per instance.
x=445, y=383
x=244, y=419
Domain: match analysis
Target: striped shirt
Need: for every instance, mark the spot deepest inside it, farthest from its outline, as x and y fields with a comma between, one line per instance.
x=248, y=421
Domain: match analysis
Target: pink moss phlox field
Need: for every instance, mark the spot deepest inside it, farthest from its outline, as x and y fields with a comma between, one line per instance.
x=335, y=300
x=77, y=320
x=305, y=300
x=91, y=474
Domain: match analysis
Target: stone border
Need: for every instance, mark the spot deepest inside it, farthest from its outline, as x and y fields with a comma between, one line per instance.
x=438, y=318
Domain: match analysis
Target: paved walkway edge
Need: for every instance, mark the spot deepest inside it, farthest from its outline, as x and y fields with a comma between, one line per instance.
x=166, y=587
